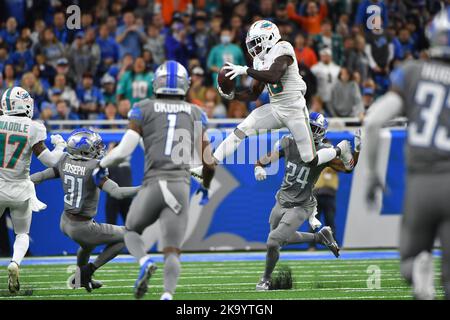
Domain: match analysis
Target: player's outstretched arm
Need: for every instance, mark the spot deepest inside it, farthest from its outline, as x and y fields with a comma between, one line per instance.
x=338, y=165
x=113, y=189
x=270, y=157
x=275, y=72
x=129, y=142
x=47, y=174
x=47, y=157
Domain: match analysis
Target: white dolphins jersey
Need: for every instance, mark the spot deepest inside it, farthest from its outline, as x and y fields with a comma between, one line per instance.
x=291, y=86
x=17, y=136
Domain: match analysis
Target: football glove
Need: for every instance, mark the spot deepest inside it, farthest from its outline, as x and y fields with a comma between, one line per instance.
x=57, y=141
x=260, y=173
x=229, y=96
x=235, y=70
x=205, y=195
x=357, y=140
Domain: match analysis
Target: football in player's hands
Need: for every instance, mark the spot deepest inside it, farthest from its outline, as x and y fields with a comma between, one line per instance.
x=224, y=82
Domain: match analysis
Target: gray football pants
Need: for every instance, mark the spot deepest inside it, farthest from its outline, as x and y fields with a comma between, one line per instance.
x=150, y=205
x=90, y=234
x=426, y=218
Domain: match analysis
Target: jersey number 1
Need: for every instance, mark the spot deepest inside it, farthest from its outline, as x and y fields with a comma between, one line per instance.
x=17, y=140
x=172, y=118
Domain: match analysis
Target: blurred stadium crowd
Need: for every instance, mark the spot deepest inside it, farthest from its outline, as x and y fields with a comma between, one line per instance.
x=100, y=70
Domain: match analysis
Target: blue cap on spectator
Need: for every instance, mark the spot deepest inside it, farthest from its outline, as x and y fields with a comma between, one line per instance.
x=107, y=78
x=368, y=91
x=48, y=105
x=55, y=91
x=114, y=71
x=62, y=61
x=79, y=34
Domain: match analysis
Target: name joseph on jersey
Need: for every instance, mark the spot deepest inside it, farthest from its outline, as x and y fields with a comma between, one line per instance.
x=74, y=169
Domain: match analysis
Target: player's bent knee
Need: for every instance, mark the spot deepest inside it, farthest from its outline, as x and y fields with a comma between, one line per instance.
x=310, y=158
x=273, y=242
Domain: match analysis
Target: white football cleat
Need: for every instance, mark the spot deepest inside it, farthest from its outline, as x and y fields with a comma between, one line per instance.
x=13, y=277
x=263, y=285
x=346, y=154
x=166, y=296
x=423, y=276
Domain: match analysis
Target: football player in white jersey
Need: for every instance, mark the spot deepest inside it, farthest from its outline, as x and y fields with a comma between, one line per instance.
x=275, y=66
x=19, y=138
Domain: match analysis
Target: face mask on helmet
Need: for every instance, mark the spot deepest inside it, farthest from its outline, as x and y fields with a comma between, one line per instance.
x=254, y=47
x=318, y=133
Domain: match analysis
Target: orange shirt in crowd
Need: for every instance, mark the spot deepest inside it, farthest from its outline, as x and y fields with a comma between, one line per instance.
x=307, y=56
x=309, y=24
x=167, y=8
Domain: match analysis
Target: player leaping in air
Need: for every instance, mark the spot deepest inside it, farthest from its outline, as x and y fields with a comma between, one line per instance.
x=295, y=202
x=20, y=137
x=275, y=66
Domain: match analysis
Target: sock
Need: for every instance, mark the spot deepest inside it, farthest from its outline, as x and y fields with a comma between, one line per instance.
x=302, y=237
x=227, y=147
x=272, y=256
x=83, y=255
x=326, y=155
x=109, y=253
x=172, y=268
x=143, y=260
x=20, y=247
x=135, y=244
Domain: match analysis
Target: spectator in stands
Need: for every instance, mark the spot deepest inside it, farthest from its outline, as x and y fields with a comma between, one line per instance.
x=87, y=21
x=4, y=57
x=130, y=36
x=136, y=84
x=48, y=110
x=50, y=47
x=123, y=108
x=59, y=27
x=201, y=37
x=168, y=8
x=62, y=67
x=64, y=112
x=38, y=30
x=304, y=53
x=237, y=109
x=34, y=88
x=81, y=58
x=237, y=32
x=266, y=8
x=155, y=43
x=178, y=44
x=67, y=93
x=46, y=71
x=310, y=80
x=148, y=59
x=109, y=88
x=109, y=50
x=144, y=11
x=346, y=98
x=90, y=97
x=215, y=30
x=9, y=76
x=197, y=90
x=404, y=46
x=111, y=23
x=22, y=58
x=224, y=52
x=10, y=34
x=357, y=60
x=93, y=49
x=326, y=73
x=109, y=113
x=367, y=97
x=314, y=16
x=328, y=39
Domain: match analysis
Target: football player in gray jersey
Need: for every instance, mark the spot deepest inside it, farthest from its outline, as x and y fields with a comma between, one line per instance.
x=295, y=202
x=81, y=180
x=171, y=128
x=420, y=90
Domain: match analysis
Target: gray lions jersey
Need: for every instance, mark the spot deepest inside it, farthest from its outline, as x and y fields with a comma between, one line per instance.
x=169, y=129
x=80, y=189
x=299, y=177
x=425, y=89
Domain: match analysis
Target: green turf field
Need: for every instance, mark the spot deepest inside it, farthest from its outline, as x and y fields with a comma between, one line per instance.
x=316, y=279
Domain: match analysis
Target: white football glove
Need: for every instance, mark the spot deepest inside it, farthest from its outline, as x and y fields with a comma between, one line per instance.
x=229, y=96
x=57, y=141
x=260, y=173
x=357, y=140
x=235, y=70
